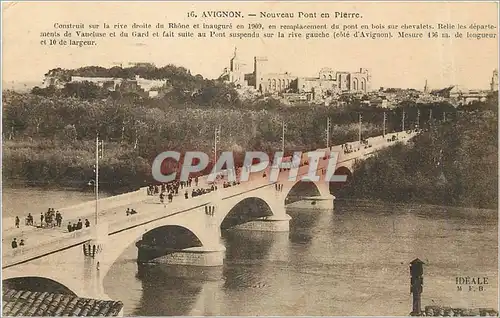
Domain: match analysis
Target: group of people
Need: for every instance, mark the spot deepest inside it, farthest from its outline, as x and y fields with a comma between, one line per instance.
x=228, y=184
x=51, y=218
x=201, y=191
x=78, y=225
x=171, y=187
x=14, y=243
x=394, y=138
x=347, y=148
x=168, y=190
x=130, y=211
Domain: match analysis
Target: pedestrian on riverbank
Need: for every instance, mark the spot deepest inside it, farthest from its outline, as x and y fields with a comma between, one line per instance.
x=70, y=227
x=41, y=219
x=79, y=225
x=21, y=243
x=186, y=195
x=17, y=221
x=14, y=243
x=87, y=223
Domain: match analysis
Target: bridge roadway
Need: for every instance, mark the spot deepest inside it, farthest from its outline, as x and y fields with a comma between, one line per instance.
x=40, y=242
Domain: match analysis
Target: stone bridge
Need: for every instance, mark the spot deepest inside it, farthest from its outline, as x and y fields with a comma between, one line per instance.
x=183, y=232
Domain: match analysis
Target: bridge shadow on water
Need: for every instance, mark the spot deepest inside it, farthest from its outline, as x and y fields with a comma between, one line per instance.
x=166, y=292
x=302, y=224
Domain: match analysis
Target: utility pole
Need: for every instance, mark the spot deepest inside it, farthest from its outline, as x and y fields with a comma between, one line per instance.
x=283, y=130
x=99, y=152
x=328, y=127
x=216, y=141
x=383, y=130
x=403, y=122
x=360, y=126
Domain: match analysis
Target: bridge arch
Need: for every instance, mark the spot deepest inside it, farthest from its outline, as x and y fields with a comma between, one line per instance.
x=37, y=284
x=247, y=209
x=173, y=236
x=166, y=239
x=340, y=171
x=302, y=189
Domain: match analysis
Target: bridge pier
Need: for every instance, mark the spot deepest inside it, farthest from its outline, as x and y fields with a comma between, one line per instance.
x=93, y=258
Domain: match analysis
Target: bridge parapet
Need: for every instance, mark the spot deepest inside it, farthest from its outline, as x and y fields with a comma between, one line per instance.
x=20, y=254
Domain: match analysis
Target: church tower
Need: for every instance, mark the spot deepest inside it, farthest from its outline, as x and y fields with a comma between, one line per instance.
x=494, y=81
x=234, y=63
x=426, y=88
x=235, y=74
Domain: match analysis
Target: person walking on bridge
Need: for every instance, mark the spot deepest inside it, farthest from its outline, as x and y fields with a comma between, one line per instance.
x=58, y=219
x=29, y=219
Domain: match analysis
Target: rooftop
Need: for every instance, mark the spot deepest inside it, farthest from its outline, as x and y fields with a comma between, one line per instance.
x=27, y=303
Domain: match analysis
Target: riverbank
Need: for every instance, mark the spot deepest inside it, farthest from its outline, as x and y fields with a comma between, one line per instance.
x=453, y=164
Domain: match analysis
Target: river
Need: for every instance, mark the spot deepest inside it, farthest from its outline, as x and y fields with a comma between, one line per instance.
x=349, y=261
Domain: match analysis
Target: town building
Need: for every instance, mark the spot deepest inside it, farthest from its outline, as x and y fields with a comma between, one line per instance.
x=327, y=83
x=114, y=84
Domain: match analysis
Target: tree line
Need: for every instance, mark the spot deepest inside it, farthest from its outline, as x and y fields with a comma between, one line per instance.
x=453, y=163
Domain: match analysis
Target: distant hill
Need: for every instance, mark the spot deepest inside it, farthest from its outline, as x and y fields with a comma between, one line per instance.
x=20, y=86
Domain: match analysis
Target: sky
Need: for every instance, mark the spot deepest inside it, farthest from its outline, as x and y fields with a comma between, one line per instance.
x=393, y=63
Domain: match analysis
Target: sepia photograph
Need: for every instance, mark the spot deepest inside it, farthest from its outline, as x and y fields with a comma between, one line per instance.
x=250, y=159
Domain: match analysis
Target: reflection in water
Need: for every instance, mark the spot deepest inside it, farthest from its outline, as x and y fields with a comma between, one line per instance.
x=303, y=224
x=351, y=261
x=164, y=293
x=248, y=253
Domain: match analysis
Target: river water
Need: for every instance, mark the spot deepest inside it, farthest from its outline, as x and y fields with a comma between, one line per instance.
x=349, y=261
